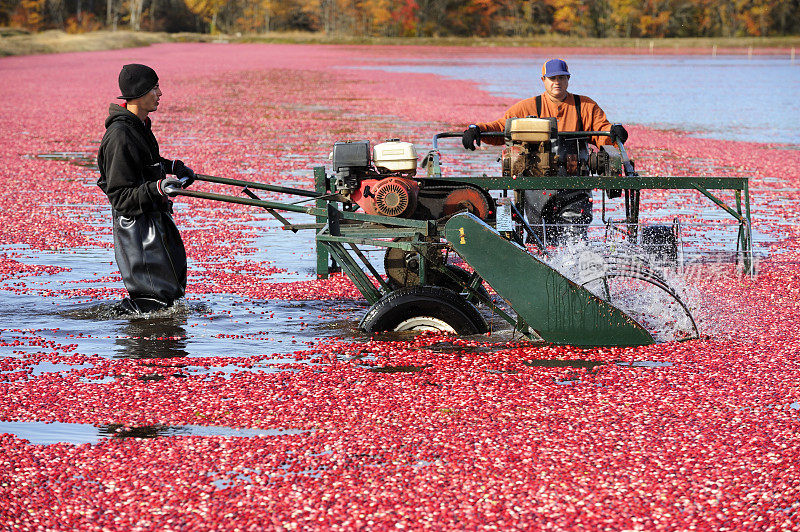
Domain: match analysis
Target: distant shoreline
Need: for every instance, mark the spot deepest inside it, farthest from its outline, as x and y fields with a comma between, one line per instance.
x=15, y=42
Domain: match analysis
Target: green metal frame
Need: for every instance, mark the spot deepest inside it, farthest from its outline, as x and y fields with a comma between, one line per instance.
x=323, y=256
x=634, y=185
x=739, y=185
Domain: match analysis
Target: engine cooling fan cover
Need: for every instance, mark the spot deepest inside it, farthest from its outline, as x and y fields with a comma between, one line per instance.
x=394, y=197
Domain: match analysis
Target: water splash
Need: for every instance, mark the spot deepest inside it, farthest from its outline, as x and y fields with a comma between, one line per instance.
x=650, y=293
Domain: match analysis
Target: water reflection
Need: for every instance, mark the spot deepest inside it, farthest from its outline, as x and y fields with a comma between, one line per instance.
x=78, y=158
x=555, y=363
x=47, y=433
x=156, y=337
x=117, y=430
x=398, y=369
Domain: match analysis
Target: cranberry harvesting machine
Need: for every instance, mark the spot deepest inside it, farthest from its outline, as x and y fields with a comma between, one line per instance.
x=499, y=236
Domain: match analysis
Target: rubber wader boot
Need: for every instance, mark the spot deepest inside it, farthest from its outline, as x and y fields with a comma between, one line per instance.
x=140, y=305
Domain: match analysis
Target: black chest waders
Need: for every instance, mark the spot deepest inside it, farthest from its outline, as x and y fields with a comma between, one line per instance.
x=151, y=258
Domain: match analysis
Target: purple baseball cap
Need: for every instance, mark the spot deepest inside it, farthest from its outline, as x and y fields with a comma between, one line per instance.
x=555, y=67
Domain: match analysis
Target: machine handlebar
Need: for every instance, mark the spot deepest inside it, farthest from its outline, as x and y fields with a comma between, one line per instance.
x=453, y=134
x=626, y=162
x=565, y=134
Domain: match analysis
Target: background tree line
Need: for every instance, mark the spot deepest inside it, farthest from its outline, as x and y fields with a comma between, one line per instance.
x=408, y=18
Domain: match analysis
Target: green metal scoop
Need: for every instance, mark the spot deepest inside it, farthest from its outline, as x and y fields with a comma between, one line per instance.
x=557, y=309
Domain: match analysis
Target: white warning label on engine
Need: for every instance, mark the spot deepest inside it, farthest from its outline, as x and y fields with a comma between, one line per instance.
x=504, y=221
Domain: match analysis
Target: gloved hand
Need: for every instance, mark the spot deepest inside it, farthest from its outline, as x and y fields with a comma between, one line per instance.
x=619, y=132
x=169, y=186
x=183, y=172
x=471, y=137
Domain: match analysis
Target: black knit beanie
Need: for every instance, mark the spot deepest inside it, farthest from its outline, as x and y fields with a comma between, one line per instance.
x=136, y=80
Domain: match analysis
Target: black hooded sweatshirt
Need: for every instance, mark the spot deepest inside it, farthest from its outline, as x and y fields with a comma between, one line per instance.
x=130, y=165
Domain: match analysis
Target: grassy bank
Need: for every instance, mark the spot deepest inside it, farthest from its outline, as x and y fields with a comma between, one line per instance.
x=542, y=41
x=15, y=42
x=53, y=41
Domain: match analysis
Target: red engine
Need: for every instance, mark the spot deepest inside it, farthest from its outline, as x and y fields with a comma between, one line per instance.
x=386, y=185
x=390, y=196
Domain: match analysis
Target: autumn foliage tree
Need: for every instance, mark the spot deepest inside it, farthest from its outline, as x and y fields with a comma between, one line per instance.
x=590, y=18
x=207, y=9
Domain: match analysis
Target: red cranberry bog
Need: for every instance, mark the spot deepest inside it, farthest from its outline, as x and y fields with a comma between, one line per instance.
x=258, y=404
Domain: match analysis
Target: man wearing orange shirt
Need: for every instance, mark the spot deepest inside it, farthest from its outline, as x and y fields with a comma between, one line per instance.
x=573, y=113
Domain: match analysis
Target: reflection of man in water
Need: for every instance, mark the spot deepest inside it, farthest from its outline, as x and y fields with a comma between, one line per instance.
x=147, y=245
x=153, y=338
x=573, y=113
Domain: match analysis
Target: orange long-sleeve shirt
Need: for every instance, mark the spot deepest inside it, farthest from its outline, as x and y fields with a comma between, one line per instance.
x=593, y=117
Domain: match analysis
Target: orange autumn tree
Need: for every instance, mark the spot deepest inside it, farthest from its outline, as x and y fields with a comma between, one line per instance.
x=30, y=14
x=405, y=14
x=208, y=10
x=568, y=16
x=625, y=15
x=655, y=17
x=756, y=16
x=378, y=17
x=255, y=16
x=483, y=14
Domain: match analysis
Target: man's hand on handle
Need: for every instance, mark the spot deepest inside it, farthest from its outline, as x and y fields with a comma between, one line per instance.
x=471, y=137
x=183, y=172
x=619, y=132
x=169, y=186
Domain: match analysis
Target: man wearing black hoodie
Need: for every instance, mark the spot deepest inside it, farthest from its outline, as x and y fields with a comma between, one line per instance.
x=147, y=245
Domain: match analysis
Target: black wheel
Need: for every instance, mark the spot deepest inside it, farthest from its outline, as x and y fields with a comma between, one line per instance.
x=424, y=308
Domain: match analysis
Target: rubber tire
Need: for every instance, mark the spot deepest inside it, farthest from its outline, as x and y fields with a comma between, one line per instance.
x=429, y=301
